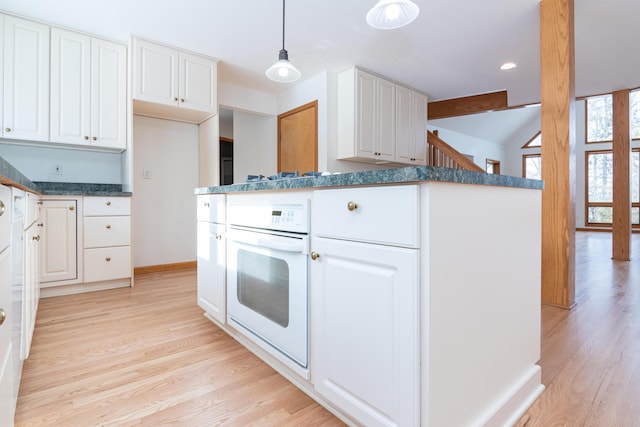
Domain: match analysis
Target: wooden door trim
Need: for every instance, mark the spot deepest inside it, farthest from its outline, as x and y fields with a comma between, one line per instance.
x=312, y=104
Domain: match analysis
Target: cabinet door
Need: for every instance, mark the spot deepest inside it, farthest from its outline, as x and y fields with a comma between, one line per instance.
x=6, y=350
x=198, y=83
x=211, y=270
x=404, y=122
x=155, y=70
x=365, y=330
x=26, y=80
x=70, y=87
x=366, y=114
x=419, y=128
x=108, y=94
x=31, y=287
x=386, y=119
x=58, y=241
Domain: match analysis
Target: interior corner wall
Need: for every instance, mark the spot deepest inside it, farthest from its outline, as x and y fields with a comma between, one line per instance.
x=164, y=204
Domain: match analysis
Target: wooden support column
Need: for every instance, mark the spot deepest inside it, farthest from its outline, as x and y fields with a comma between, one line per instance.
x=621, y=250
x=557, y=81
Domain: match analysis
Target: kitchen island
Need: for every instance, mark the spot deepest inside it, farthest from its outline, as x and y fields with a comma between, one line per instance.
x=424, y=292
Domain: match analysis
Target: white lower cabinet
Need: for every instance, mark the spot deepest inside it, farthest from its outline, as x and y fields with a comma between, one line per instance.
x=59, y=230
x=6, y=351
x=365, y=307
x=211, y=250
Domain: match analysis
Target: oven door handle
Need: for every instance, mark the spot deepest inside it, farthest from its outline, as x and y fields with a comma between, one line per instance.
x=297, y=247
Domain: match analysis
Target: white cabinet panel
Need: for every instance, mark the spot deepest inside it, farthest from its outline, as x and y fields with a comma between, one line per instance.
x=26, y=80
x=382, y=215
x=88, y=90
x=105, y=206
x=59, y=241
x=211, y=270
x=155, y=69
x=211, y=208
x=100, y=231
x=198, y=83
x=107, y=263
x=7, y=407
x=365, y=333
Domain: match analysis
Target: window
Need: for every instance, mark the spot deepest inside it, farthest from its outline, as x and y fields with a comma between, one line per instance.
x=599, y=120
x=599, y=187
x=532, y=166
x=493, y=166
x=535, y=141
x=634, y=119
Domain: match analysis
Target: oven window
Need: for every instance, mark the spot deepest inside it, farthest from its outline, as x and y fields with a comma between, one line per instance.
x=263, y=285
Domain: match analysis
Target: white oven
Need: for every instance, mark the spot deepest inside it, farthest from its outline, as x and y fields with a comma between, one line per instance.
x=267, y=276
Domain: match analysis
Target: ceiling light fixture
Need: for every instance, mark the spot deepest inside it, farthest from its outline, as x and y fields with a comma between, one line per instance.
x=390, y=14
x=508, y=66
x=283, y=71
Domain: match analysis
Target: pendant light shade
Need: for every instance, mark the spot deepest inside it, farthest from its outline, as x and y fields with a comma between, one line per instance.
x=390, y=14
x=283, y=70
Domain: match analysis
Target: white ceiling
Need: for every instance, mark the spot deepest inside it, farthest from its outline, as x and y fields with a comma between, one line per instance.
x=453, y=49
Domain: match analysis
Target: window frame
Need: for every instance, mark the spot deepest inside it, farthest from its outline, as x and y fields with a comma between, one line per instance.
x=496, y=166
x=524, y=163
x=586, y=120
x=533, y=138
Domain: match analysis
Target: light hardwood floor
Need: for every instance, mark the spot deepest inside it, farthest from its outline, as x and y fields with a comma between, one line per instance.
x=147, y=356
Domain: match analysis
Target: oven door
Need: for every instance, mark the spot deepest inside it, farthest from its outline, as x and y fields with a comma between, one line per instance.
x=267, y=290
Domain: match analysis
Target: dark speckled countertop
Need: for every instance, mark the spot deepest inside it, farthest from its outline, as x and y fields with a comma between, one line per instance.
x=411, y=174
x=12, y=177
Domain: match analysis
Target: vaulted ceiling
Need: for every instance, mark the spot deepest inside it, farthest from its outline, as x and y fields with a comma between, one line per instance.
x=453, y=49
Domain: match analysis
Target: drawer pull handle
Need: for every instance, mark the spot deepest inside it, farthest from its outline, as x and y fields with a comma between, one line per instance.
x=108, y=226
x=7, y=129
x=108, y=258
x=3, y=315
x=40, y=224
x=39, y=202
x=218, y=236
x=1, y=208
x=36, y=238
x=352, y=206
x=315, y=255
x=206, y=204
x=72, y=208
x=109, y=203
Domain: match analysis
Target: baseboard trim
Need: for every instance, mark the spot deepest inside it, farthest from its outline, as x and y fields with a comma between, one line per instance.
x=165, y=267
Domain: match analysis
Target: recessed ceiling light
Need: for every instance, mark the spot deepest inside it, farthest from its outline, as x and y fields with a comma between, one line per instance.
x=508, y=66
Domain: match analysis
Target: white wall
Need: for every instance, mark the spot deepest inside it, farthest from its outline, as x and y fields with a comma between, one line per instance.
x=164, y=206
x=254, y=145
x=36, y=163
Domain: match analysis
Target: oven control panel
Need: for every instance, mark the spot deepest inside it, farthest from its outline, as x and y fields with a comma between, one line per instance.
x=290, y=216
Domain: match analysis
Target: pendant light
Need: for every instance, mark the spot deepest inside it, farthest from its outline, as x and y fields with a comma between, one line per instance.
x=283, y=71
x=390, y=14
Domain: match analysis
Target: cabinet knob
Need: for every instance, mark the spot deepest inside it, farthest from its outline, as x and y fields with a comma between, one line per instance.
x=108, y=258
x=181, y=99
x=72, y=208
x=109, y=203
x=36, y=238
x=218, y=236
x=175, y=98
x=3, y=315
x=40, y=224
x=108, y=226
x=1, y=208
x=95, y=138
x=7, y=129
x=352, y=206
x=206, y=204
x=315, y=255
x=39, y=202
x=86, y=137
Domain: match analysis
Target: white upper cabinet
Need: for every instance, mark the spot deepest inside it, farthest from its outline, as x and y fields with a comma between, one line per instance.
x=174, y=84
x=26, y=80
x=380, y=121
x=88, y=91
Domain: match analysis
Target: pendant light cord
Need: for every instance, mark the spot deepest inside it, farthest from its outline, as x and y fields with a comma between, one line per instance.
x=283, y=24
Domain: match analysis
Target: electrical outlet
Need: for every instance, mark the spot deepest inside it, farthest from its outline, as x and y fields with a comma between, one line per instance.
x=57, y=169
x=146, y=174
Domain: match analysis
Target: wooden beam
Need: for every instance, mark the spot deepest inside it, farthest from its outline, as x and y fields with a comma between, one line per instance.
x=467, y=105
x=557, y=82
x=621, y=246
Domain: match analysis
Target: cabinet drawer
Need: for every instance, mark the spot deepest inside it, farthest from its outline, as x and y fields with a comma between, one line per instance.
x=211, y=208
x=107, y=263
x=103, y=206
x=5, y=217
x=382, y=215
x=102, y=231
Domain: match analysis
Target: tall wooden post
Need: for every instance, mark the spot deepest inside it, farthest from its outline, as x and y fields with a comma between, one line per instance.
x=621, y=248
x=557, y=81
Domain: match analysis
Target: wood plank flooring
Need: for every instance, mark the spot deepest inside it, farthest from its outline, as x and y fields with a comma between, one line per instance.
x=146, y=356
